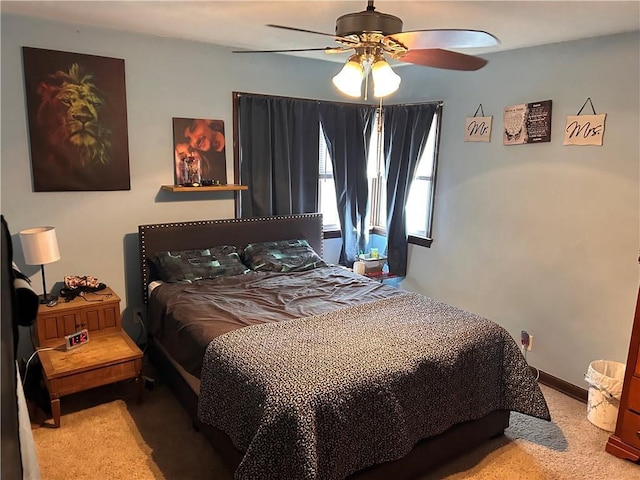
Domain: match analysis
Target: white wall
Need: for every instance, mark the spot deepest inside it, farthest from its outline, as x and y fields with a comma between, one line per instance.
x=542, y=237
x=165, y=78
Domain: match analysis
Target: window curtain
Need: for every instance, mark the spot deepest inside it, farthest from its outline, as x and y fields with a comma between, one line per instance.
x=279, y=150
x=406, y=128
x=347, y=130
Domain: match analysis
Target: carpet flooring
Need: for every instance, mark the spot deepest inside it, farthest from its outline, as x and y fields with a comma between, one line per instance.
x=105, y=434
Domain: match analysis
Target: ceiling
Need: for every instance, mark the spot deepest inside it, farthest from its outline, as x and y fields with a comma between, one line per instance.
x=242, y=24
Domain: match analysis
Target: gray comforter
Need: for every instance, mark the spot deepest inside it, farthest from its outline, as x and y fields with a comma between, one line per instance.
x=324, y=396
x=185, y=317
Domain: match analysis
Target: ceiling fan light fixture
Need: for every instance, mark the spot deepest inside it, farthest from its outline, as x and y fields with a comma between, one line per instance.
x=385, y=80
x=349, y=80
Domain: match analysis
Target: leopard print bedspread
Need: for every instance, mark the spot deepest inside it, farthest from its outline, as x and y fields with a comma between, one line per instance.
x=324, y=396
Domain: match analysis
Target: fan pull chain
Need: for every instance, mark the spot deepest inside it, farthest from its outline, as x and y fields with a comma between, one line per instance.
x=379, y=143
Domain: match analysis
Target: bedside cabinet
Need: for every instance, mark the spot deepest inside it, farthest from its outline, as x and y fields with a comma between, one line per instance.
x=97, y=312
x=109, y=356
x=625, y=442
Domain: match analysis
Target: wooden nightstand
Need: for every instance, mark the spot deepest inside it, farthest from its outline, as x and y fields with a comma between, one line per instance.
x=109, y=356
x=97, y=312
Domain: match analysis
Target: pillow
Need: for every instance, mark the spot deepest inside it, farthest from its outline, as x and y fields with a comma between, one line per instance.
x=193, y=265
x=282, y=256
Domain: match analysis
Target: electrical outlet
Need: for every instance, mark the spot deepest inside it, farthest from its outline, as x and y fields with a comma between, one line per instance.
x=137, y=315
x=530, y=343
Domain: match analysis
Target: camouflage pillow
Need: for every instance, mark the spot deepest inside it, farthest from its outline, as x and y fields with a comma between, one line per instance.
x=193, y=265
x=282, y=256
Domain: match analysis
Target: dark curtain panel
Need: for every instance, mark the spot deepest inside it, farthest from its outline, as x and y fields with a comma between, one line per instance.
x=406, y=128
x=279, y=140
x=347, y=129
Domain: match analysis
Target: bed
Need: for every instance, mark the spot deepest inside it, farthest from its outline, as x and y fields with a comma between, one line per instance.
x=299, y=369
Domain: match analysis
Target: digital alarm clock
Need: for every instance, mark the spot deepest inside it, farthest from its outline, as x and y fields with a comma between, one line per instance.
x=76, y=339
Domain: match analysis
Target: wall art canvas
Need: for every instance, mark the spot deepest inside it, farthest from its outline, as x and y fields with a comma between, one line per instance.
x=527, y=123
x=199, y=152
x=584, y=130
x=77, y=112
x=477, y=129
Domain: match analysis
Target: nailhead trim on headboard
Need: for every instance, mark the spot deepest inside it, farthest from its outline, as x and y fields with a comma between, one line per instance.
x=310, y=222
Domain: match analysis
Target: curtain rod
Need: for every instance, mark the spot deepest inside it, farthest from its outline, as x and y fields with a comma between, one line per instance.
x=265, y=95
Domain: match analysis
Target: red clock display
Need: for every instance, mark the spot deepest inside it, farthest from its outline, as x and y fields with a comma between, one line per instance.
x=77, y=339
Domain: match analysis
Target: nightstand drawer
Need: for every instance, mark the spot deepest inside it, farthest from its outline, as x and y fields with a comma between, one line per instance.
x=95, y=378
x=630, y=433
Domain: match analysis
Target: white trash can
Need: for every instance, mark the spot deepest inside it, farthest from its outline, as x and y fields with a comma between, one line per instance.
x=605, y=379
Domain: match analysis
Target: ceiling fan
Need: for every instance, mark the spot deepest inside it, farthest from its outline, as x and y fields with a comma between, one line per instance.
x=374, y=35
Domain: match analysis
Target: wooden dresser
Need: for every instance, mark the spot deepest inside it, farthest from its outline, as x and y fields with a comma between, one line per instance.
x=625, y=441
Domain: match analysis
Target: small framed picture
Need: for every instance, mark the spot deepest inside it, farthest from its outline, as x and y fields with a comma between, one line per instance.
x=527, y=123
x=199, y=152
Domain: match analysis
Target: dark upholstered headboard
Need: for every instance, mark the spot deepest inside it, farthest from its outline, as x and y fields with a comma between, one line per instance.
x=240, y=232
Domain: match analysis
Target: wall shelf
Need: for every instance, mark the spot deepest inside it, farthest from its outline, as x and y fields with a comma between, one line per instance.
x=212, y=188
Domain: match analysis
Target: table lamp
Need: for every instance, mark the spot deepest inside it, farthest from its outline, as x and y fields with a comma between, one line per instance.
x=40, y=246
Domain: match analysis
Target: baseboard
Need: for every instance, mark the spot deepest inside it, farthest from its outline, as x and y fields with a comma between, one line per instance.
x=564, y=387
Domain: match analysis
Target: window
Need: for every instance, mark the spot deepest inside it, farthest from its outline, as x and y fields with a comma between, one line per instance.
x=421, y=193
x=419, y=206
x=327, y=189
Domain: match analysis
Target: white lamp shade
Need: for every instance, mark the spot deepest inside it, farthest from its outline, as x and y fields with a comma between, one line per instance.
x=39, y=245
x=349, y=80
x=385, y=80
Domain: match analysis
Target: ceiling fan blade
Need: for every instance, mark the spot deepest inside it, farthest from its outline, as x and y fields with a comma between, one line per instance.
x=325, y=49
x=342, y=39
x=438, y=58
x=451, y=38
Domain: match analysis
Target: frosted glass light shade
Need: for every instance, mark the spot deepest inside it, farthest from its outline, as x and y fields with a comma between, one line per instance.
x=385, y=80
x=349, y=80
x=39, y=245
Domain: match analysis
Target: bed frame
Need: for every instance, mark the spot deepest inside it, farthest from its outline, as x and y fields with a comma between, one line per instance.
x=426, y=455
